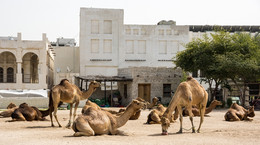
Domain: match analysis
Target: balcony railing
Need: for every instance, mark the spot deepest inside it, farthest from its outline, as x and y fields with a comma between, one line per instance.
x=30, y=78
x=9, y=78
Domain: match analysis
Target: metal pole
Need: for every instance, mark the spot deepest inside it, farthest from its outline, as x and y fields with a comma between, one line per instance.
x=111, y=94
x=105, y=92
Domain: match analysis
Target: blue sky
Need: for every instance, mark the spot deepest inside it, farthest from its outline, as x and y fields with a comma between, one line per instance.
x=60, y=18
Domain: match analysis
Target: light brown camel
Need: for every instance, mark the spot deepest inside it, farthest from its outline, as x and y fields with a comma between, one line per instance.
x=148, y=105
x=28, y=113
x=10, y=109
x=188, y=93
x=239, y=113
x=196, y=112
x=69, y=93
x=155, y=115
x=88, y=104
x=98, y=122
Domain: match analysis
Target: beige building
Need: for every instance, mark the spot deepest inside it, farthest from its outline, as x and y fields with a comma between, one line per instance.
x=25, y=64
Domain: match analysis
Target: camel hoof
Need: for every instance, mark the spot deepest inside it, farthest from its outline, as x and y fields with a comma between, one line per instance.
x=165, y=133
x=198, y=131
x=76, y=134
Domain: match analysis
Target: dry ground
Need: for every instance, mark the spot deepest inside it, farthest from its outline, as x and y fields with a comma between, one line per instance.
x=214, y=131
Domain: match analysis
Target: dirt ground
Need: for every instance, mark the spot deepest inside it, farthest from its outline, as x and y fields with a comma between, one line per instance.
x=214, y=131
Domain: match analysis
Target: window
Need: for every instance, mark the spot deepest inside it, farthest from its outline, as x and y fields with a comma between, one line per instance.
x=163, y=47
x=107, y=46
x=161, y=32
x=1, y=75
x=169, y=32
x=166, y=90
x=94, y=45
x=108, y=27
x=128, y=31
x=141, y=46
x=10, y=75
x=202, y=73
x=174, y=47
x=129, y=46
x=94, y=26
x=125, y=90
x=195, y=74
x=136, y=32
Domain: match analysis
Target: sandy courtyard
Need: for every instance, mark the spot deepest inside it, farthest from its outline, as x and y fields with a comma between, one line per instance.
x=214, y=131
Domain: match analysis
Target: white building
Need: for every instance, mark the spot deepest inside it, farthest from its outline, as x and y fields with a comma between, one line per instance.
x=25, y=64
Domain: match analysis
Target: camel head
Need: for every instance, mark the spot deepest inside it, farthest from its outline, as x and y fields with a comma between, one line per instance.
x=155, y=100
x=251, y=112
x=216, y=102
x=94, y=84
x=23, y=105
x=62, y=82
x=165, y=123
x=11, y=105
x=137, y=104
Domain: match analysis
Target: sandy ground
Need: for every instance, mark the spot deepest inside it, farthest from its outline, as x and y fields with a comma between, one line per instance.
x=214, y=131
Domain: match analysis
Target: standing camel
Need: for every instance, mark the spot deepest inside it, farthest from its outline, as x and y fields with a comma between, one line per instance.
x=188, y=93
x=68, y=93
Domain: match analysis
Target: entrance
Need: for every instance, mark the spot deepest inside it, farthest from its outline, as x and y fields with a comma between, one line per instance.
x=144, y=91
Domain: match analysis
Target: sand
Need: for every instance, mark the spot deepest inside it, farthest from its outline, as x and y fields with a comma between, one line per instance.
x=214, y=131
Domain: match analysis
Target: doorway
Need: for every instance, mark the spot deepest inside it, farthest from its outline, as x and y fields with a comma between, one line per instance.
x=144, y=91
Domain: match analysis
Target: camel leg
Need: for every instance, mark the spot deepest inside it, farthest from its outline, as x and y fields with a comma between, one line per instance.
x=50, y=112
x=189, y=109
x=69, y=123
x=179, y=108
x=75, y=110
x=202, y=113
x=55, y=105
x=82, y=128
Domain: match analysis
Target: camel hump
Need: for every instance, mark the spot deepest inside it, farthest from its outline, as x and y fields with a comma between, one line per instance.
x=62, y=82
x=189, y=78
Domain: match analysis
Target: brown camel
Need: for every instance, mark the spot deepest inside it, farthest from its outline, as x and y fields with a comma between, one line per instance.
x=69, y=93
x=155, y=115
x=239, y=113
x=148, y=105
x=10, y=109
x=88, y=104
x=188, y=93
x=196, y=112
x=98, y=122
x=28, y=113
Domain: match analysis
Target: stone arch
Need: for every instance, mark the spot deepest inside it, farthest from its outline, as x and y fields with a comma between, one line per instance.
x=30, y=64
x=8, y=65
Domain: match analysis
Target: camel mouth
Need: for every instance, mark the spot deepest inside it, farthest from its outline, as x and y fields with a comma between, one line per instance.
x=164, y=132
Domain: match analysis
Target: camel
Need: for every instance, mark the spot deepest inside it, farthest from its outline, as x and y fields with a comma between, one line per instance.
x=148, y=105
x=155, y=115
x=98, y=122
x=196, y=112
x=28, y=113
x=10, y=109
x=239, y=113
x=88, y=104
x=188, y=93
x=69, y=93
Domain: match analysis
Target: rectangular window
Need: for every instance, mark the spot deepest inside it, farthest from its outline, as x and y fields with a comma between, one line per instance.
x=130, y=46
x=166, y=90
x=174, y=47
x=125, y=90
x=195, y=74
x=94, y=45
x=202, y=73
x=161, y=32
x=107, y=46
x=162, y=47
x=141, y=46
x=107, y=26
x=128, y=31
x=94, y=27
x=169, y=32
x=136, y=32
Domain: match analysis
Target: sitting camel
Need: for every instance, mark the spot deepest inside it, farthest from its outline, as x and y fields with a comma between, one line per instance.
x=196, y=112
x=69, y=93
x=88, y=104
x=155, y=115
x=188, y=93
x=98, y=122
x=239, y=113
x=28, y=113
x=148, y=105
x=10, y=109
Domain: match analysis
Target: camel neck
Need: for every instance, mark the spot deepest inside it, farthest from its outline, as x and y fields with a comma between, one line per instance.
x=87, y=94
x=171, y=106
x=210, y=108
x=122, y=119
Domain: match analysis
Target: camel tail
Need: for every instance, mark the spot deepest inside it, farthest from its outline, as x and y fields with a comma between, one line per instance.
x=51, y=102
x=45, y=112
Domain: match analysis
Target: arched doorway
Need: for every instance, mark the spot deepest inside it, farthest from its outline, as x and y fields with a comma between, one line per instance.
x=1, y=75
x=8, y=67
x=30, y=68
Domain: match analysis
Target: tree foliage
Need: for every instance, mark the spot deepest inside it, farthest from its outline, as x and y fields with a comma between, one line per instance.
x=222, y=56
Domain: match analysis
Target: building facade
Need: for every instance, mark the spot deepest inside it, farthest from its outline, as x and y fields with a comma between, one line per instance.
x=109, y=47
x=25, y=64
